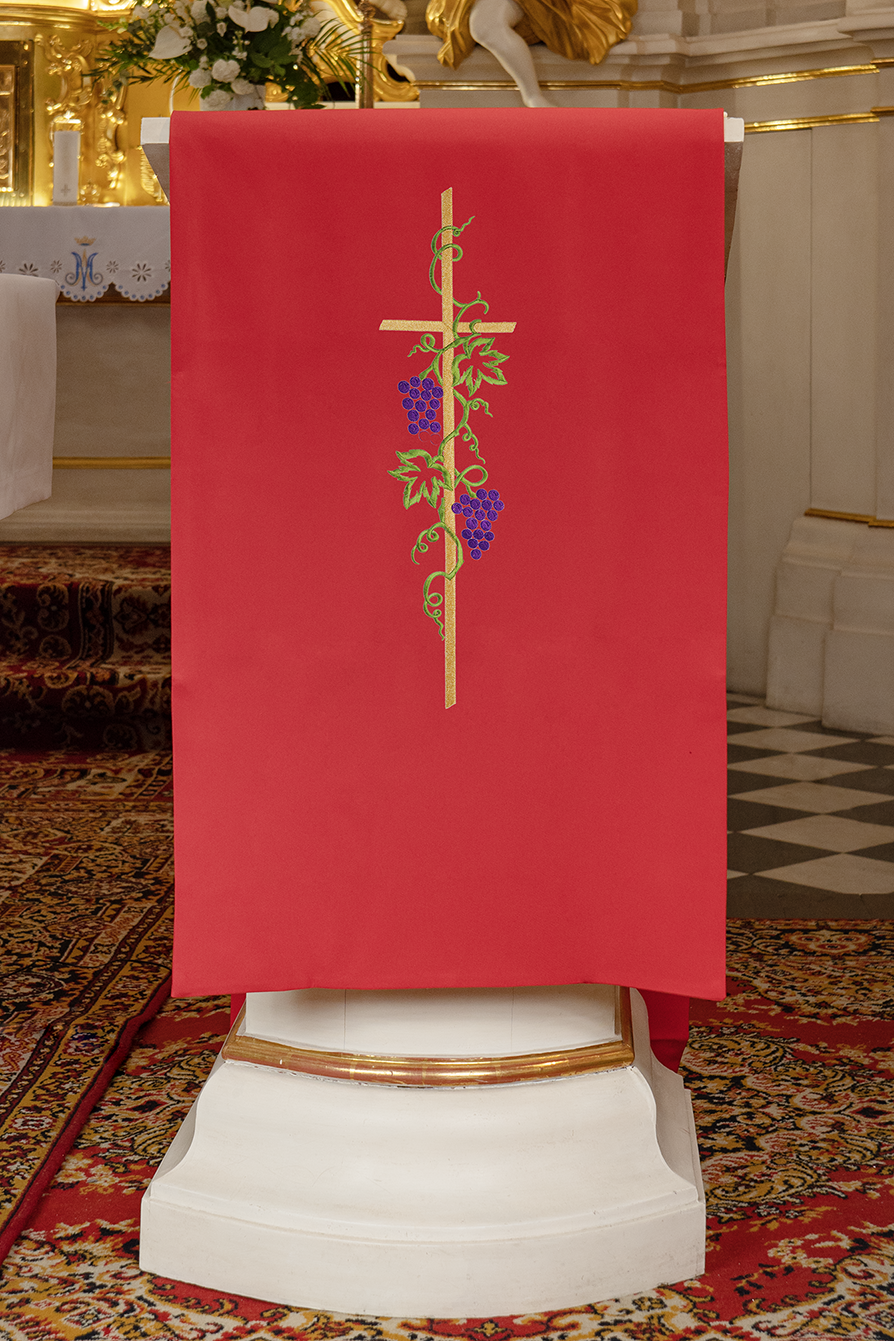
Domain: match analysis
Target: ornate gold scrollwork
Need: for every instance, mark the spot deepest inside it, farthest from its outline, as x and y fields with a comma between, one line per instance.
x=91, y=106
x=16, y=116
x=68, y=111
x=386, y=88
x=110, y=117
x=71, y=109
x=7, y=126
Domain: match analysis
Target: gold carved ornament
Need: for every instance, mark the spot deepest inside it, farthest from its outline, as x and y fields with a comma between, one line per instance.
x=385, y=87
x=89, y=105
x=7, y=126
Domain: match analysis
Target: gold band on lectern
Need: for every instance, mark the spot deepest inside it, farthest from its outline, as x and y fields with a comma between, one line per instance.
x=371, y=1069
x=111, y=463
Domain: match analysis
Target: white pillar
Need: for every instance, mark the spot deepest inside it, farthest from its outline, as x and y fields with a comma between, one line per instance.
x=832, y=635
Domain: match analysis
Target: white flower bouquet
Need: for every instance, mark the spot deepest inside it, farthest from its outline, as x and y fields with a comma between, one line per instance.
x=229, y=51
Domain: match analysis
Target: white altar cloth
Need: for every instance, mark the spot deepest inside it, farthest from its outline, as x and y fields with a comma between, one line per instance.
x=27, y=390
x=88, y=248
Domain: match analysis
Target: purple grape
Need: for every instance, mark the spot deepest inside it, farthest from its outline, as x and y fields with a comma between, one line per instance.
x=455, y=507
x=481, y=493
x=466, y=533
x=464, y=498
x=479, y=535
x=483, y=544
x=436, y=427
x=493, y=493
x=403, y=386
x=413, y=428
x=491, y=515
x=498, y=507
x=488, y=535
x=423, y=425
x=427, y=383
x=415, y=381
x=407, y=403
x=412, y=416
x=475, y=554
x=429, y=414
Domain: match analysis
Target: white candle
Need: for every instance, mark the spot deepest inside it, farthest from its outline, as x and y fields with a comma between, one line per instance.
x=66, y=161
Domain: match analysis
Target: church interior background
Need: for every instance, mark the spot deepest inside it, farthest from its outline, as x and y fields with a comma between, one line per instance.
x=810, y=336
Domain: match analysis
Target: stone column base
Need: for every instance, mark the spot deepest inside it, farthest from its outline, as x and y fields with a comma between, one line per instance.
x=417, y=1190
x=832, y=634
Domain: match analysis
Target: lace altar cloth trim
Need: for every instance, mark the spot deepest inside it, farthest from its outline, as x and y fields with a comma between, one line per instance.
x=88, y=248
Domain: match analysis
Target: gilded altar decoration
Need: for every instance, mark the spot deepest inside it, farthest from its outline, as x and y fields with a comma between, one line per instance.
x=385, y=26
x=7, y=126
x=47, y=52
x=580, y=30
x=81, y=101
x=229, y=51
x=466, y=511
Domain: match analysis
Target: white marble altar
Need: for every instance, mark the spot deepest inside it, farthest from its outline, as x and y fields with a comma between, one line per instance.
x=113, y=376
x=88, y=249
x=112, y=387
x=27, y=390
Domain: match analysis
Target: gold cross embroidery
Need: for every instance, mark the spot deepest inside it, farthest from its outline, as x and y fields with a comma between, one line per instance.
x=445, y=327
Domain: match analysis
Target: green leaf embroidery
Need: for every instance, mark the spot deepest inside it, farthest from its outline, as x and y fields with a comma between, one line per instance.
x=417, y=485
x=473, y=360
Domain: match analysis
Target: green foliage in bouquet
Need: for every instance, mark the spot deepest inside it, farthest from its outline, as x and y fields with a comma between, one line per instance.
x=227, y=50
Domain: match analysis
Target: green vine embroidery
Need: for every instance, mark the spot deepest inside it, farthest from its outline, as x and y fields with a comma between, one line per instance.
x=446, y=390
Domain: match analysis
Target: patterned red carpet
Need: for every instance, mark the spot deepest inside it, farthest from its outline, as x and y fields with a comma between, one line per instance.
x=85, y=646
x=85, y=911
x=791, y=1078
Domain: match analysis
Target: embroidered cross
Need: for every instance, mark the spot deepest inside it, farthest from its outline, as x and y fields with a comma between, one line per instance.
x=446, y=330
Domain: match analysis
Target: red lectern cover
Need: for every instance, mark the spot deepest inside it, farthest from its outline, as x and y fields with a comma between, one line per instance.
x=449, y=541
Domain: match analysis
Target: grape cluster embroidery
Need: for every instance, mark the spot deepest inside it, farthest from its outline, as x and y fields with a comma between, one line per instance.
x=481, y=512
x=422, y=400
x=466, y=359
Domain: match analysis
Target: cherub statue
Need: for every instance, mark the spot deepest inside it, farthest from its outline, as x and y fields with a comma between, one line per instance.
x=576, y=29
x=581, y=30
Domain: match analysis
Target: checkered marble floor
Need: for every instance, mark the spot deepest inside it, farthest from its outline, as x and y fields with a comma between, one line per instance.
x=811, y=817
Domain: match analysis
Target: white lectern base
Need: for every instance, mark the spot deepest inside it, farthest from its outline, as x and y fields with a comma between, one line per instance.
x=432, y=1198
